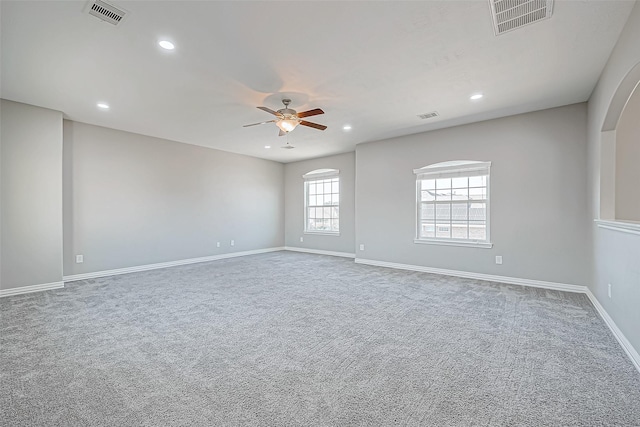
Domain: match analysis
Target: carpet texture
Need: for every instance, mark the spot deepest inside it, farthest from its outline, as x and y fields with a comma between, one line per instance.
x=288, y=339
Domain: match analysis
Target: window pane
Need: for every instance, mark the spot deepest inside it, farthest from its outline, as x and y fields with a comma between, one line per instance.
x=312, y=200
x=312, y=188
x=478, y=181
x=477, y=211
x=335, y=225
x=478, y=193
x=459, y=230
x=327, y=187
x=428, y=184
x=443, y=194
x=335, y=199
x=427, y=229
x=428, y=195
x=477, y=231
x=443, y=213
x=443, y=183
x=443, y=231
x=335, y=187
x=459, y=211
x=460, y=182
x=428, y=211
x=460, y=194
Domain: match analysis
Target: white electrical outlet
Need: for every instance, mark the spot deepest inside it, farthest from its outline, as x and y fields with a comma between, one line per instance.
x=80, y=260
x=498, y=259
x=609, y=290
x=362, y=247
x=218, y=244
x=233, y=242
x=302, y=239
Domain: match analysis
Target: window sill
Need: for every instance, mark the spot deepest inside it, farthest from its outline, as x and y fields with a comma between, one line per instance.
x=622, y=226
x=323, y=233
x=484, y=245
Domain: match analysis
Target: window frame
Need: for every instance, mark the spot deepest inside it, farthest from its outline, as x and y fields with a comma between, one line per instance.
x=320, y=175
x=458, y=168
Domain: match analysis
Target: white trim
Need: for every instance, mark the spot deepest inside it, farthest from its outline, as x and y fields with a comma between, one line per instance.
x=147, y=267
x=622, y=226
x=443, y=242
x=479, y=276
x=322, y=233
x=452, y=167
x=31, y=288
x=624, y=342
x=617, y=333
x=324, y=173
x=319, y=252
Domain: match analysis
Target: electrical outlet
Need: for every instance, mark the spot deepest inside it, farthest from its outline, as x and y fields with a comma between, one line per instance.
x=233, y=242
x=362, y=247
x=302, y=239
x=498, y=259
x=218, y=244
x=609, y=289
x=80, y=260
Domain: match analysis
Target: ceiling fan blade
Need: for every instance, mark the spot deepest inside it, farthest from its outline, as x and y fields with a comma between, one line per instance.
x=312, y=125
x=309, y=113
x=270, y=111
x=282, y=133
x=261, y=123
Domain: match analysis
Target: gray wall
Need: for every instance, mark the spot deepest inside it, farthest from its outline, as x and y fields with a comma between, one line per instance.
x=31, y=219
x=539, y=211
x=615, y=254
x=294, y=209
x=627, y=199
x=132, y=200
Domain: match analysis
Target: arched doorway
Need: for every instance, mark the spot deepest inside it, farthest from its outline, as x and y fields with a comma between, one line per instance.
x=620, y=153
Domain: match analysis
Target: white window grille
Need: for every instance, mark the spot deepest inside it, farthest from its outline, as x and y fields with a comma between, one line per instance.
x=322, y=202
x=453, y=203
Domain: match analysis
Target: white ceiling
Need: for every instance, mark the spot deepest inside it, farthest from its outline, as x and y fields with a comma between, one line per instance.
x=374, y=65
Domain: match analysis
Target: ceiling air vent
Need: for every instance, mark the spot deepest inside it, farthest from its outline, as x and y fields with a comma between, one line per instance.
x=509, y=15
x=106, y=12
x=428, y=115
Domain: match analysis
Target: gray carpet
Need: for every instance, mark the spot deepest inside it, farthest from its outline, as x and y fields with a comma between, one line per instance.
x=288, y=339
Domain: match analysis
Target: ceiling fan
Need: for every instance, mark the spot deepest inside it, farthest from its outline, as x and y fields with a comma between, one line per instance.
x=288, y=119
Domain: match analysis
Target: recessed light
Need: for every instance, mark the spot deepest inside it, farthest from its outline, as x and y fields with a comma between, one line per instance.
x=102, y=105
x=166, y=44
x=346, y=127
x=476, y=96
x=267, y=146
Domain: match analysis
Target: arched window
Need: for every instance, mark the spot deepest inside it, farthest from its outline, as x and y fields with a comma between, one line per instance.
x=452, y=203
x=322, y=201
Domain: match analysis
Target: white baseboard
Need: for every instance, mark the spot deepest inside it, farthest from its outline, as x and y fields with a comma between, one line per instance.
x=624, y=342
x=31, y=288
x=147, y=267
x=617, y=333
x=319, y=252
x=480, y=276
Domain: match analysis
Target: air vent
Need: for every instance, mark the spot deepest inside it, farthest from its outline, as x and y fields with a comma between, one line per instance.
x=106, y=12
x=509, y=15
x=428, y=115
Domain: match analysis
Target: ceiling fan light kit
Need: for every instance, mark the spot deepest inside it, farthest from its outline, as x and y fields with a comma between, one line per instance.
x=289, y=119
